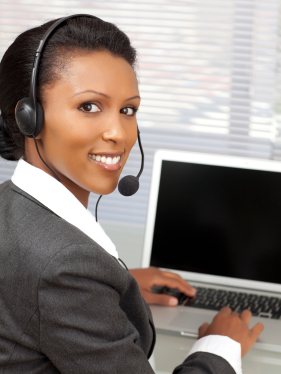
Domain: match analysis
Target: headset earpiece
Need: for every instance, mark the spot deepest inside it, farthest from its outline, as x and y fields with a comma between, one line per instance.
x=28, y=118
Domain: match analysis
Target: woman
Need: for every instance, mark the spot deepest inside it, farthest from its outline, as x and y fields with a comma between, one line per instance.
x=67, y=304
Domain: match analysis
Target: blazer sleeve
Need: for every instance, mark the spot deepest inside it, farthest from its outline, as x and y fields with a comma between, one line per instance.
x=83, y=328
x=204, y=363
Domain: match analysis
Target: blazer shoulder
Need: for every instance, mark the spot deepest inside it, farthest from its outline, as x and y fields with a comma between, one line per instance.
x=33, y=231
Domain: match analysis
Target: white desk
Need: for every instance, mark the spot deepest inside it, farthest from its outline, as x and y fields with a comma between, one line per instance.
x=171, y=350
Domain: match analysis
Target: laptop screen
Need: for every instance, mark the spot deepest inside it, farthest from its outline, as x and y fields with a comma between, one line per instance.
x=207, y=214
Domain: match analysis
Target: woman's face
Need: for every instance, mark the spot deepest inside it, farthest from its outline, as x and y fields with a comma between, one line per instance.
x=90, y=123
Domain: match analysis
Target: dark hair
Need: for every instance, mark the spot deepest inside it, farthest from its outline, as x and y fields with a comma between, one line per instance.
x=73, y=36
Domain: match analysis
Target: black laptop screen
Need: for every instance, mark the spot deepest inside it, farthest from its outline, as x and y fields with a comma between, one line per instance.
x=219, y=220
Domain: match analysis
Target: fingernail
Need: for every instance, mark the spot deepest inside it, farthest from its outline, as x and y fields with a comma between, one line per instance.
x=173, y=301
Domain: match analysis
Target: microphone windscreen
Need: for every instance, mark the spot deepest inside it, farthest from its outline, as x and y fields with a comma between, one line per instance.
x=128, y=185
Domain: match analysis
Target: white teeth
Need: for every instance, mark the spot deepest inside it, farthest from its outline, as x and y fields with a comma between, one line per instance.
x=106, y=159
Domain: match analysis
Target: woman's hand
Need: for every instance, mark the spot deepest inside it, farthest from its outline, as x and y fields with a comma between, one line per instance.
x=235, y=326
x=149, y=277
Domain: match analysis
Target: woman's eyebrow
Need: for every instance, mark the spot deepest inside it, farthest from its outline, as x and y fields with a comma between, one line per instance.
x=133, y=97
x=103, y=94
x=91, y=91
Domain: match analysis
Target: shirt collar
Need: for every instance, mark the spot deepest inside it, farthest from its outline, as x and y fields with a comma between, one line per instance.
x=55, y=196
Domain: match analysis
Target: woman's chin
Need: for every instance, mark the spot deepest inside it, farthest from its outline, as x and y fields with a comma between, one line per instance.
x=105, y=190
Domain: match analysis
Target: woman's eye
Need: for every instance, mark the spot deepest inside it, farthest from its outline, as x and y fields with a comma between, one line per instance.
x=89, y=107
x=128, y=111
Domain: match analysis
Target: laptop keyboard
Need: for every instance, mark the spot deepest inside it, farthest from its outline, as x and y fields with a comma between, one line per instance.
x=215, y=299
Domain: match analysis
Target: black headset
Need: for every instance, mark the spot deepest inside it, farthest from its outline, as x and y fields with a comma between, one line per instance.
x=29, y=112
x=30, y=116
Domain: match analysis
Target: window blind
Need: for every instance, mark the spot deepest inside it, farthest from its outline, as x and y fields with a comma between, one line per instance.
x=209, y=74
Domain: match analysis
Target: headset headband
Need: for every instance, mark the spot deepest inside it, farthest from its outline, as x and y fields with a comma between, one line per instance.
x=43, y=41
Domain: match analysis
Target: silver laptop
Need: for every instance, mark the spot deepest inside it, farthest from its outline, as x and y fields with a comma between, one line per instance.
x=216, y=221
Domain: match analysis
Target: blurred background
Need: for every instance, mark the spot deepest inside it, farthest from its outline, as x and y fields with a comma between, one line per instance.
x=209, y=74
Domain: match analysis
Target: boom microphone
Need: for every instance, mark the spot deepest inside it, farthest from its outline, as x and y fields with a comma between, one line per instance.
x=129, y=184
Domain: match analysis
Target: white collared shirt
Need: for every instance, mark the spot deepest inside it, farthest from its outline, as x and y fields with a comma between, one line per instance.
x=55, y=196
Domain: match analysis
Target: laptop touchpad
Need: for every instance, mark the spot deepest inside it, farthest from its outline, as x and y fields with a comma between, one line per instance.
x=191, y=319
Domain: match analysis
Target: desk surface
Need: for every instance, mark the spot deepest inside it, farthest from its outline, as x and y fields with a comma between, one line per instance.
x=171, y=350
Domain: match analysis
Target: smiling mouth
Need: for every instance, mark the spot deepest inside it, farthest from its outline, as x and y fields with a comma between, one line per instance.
x=106, y=160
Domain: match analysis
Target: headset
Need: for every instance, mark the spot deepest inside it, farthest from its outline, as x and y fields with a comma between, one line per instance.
x=30, y=116
x=29, y=112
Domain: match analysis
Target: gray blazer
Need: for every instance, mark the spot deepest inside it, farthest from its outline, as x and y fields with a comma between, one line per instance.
x=66, y=305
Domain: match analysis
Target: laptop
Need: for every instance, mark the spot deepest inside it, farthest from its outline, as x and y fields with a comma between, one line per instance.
x=216, y=221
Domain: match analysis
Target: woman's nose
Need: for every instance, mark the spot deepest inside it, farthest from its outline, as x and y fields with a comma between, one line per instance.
x=115, y=130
